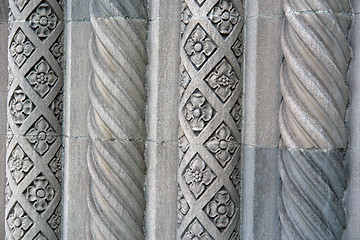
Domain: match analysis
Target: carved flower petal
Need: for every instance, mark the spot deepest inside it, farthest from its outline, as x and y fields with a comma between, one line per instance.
x=197, y=164
x=208, y=47
x=11, y=164
x=18, y=175
x=198, y=34
x=18, y=211
x=224, y=68
x=233, y=19
x=40, y=205
x=26, y=165
x=225, y=27
x=17, y=233
x=20, y=38
x=223, y=156
x=197, y=188
x=19, y=118
x=32, y=136
x=50, y=193
x=189, y=47
x=19, y=96
x=44, y=10
x=20, y=59
x=223, y=133
x=41, y=147
x=27, y=107
x=230, y=209
x=208, y=176
x=28, y=48
x=32, y=77
x=197, y=124
x=221, y=221
x=215, y=15
x=223, y=92
x=213, y=80
x=43, y=89
x=226, y=5
x=206, y=113
x=31, y=194
x=43, y=32
x=196, y=228
x=197, y=99
x=212, y=209
x=222, y=197
x=232, y=145
x=198, y=59
x=26, y=222
x=51, y=78
x=213, y=145
x=188, y=176
x=18, y=153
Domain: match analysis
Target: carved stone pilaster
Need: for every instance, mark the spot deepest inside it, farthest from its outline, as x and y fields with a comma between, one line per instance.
x=312, y=118
x=33, y=155
x=116, y=119
x=210, y=119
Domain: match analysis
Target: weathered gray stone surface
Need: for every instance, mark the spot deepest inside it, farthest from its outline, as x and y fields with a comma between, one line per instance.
x=3, y=94
x=263, y=56
x=162, y=119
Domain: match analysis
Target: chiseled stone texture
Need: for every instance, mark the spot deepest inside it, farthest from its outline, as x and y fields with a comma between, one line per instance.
x=162, y=119
x=3, y=94
x=353, y=157
x=263, y=57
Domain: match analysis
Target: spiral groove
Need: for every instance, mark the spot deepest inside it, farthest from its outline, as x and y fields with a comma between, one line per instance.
x=312, y=118
x=116, y=119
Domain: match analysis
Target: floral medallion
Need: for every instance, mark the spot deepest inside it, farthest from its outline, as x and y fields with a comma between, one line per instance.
x=41, y=136
x=222, y=145
x=19, y=164
x=20, y=106
x=19, y=222
x=221, y=209
x=42, y=78
x=222, y=80
x=199, y=47
x=198, y=176
x=40, y=193
x=198, y=112
x=224, y=16
x=21, y=48
x=43, y=20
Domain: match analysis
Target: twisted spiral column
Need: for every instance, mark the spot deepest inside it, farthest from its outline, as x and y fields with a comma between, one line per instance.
x=116, y=119
x=312, y=118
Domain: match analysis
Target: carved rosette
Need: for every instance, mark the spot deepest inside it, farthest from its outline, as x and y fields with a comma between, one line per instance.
x=210, y=116
x=116, y=125
x=33, y=190
x=312, y=119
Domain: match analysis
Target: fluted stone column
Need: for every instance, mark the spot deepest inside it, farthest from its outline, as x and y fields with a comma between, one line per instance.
x=211, y=78
x=33, y=154
x=116, y=119
x=312, y=119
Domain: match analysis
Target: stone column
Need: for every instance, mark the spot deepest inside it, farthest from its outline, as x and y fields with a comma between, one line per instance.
x=116, y=125
x=211, y=75
x=3, y=115
x=312, y=119
x=34, y=147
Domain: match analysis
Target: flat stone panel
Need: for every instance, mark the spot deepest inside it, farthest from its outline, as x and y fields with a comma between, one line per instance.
x=260, y=181
x=353, y=163
x=263, y=58
x=264, y=8
x=3, y=94
x=76, y=140
x=162, y=120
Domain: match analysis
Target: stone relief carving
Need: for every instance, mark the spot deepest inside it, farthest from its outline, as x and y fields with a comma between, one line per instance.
x=116, y=122
x=210, y=118
x=33, y=190
x=312, y=119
